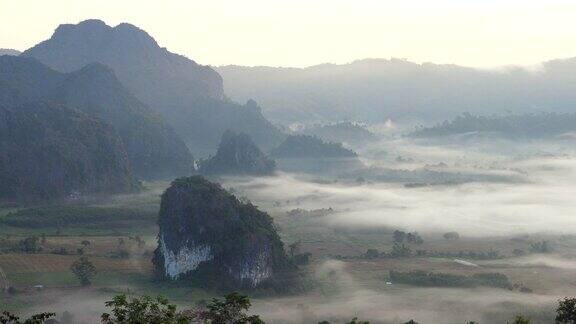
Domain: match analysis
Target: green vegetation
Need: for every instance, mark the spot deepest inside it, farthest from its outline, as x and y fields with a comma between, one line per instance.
x=52, y=152
x=71, y=216
x=403, y=237
x=9, y=318
x=566, y=311
x=84, y=270
x=430, y=279
x=305, y=146
x=230, y=310
x=161, y=311
x=515, y=126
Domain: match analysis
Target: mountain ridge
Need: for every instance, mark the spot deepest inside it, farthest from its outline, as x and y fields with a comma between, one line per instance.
x=189, y=95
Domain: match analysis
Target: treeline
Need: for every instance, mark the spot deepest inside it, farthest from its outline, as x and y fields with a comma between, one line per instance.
x=438, y=279
x=232, y=309
x=518, y=126
x=69, y=216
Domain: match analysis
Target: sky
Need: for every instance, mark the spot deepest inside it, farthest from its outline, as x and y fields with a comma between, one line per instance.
x=478, y=33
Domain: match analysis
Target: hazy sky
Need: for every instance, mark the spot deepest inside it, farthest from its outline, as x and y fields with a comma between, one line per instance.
x=305, y=32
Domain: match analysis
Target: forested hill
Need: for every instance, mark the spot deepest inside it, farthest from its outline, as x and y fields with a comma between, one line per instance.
x=154, y=149
x=512, y=126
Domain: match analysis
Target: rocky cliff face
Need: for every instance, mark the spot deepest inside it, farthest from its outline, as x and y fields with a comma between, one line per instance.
x=154, y=149
x=187, y=94
x=49, y=151
x=207, y=235
x=237, y=155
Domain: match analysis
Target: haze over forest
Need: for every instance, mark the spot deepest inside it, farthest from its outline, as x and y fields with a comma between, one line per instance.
x=203, y=153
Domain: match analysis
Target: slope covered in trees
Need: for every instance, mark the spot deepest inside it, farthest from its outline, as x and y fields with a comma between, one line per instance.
x=50, y=151
x=237, y=155
x=511, y=126
x=154, y=149
x=306, y=146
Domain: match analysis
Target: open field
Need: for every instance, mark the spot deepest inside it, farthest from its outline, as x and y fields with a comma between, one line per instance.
x=339, y=271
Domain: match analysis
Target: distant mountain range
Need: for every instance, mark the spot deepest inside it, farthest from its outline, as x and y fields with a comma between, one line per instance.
x=188, y=95
x=373, y=90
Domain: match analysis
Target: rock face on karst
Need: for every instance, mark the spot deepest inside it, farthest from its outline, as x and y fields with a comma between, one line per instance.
x=237, y=155
x=210, y=237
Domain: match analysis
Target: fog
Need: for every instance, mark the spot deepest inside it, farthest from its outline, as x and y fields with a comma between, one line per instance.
x=544, y=202
x=396, y=305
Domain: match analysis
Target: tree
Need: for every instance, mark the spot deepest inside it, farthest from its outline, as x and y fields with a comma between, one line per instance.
x=294, y=248
x=9, y=318
x=143, y=310
x=228, y=311
x=84, y=270
x=540, y=247
x=372, y=253
x=521, y=320
x=400, y=251
x=399, y=236
x=451, y=236
x=30, y=245
x=355, y=320
x=566, y=311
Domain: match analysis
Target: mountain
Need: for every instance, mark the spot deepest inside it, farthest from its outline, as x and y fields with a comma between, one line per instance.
x=209, y=237
x=50, y=151
x=373, y=90
x=8, y=51
x=188, y=95
x=154, y=149
x=237, y=155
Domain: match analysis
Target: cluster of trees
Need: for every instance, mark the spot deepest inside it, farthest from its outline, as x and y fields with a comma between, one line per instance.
x=488, y=255
x=432, y=279
x=398, y=251
x=403, y=237
x=305, y=146
x=519, y=126
x=230, y=310
x=404, y=251
x=296, y=256
x=70, y=216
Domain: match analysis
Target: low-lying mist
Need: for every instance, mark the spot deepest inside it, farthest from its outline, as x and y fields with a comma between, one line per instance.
x=539, y=200
x=351, y=298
